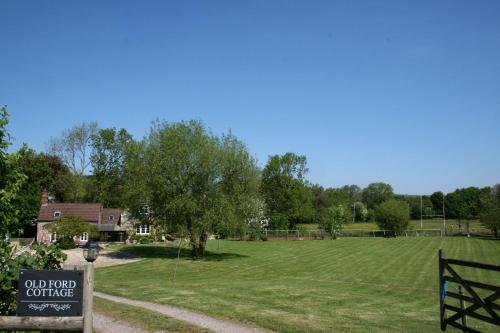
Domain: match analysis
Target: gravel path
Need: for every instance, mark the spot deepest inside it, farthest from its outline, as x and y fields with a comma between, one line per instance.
x=216, y=325
x=105, y=324
x=106, y=258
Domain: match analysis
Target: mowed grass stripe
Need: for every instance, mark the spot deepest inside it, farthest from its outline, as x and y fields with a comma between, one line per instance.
x=345, y=285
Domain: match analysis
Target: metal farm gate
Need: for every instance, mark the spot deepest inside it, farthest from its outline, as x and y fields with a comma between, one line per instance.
x=480, y=302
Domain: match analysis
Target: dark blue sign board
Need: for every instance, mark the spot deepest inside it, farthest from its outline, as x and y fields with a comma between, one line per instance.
x=50, y=293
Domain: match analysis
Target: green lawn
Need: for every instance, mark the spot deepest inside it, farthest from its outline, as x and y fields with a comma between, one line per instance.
x=346, y=285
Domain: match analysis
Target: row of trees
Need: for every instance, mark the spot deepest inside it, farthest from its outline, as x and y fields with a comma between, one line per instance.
x=193, y=182
x=291, y=200
x=63, y=171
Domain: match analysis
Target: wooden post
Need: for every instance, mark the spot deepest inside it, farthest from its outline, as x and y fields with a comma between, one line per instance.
x=88, y=298
x=462, y=306
x=41, y=323
x=88, y=293
x=442, y=292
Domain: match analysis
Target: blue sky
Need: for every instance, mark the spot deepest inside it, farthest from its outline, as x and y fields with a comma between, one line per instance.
x=405, y=92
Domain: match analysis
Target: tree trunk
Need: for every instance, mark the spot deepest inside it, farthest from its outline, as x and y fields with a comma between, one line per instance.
x=495, y=231
x=198, y=245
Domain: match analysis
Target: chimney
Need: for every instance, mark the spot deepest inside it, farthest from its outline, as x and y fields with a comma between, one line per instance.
x=45, y=198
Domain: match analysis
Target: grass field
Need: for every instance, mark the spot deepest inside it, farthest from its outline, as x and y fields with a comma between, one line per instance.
x=346, y=285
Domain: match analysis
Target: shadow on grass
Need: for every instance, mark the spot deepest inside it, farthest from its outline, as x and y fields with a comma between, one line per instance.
x=485, y=237
x=169, y=252
x=475, y=236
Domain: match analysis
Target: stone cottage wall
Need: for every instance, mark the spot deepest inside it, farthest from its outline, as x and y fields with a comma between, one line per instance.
x=42, y=235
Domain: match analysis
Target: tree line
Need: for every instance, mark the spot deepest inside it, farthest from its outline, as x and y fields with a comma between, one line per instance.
x=185, y=179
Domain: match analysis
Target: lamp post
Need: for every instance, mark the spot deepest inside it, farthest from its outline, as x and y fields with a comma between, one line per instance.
x=91, y=251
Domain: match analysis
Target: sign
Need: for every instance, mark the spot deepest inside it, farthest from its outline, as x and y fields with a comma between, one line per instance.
x=50, y=293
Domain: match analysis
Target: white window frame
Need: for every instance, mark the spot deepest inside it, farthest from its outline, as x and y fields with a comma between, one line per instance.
x=84, y=237
x=144, y=229
x=57, y=214
x=111, y=217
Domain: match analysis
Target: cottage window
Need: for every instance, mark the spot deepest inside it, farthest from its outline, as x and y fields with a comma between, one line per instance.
x=84, y=237
x=143, y=229
x=111, y=217
x=57, y=214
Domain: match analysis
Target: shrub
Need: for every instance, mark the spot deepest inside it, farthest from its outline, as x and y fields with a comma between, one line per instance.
x=66, y=243
x=334, y=220
x=146, y=239
x=253, y=234
x=393, y=215
x=45, y=257
x=253, y=230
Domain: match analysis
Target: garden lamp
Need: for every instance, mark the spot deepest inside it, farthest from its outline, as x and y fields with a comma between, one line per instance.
x=91, y=251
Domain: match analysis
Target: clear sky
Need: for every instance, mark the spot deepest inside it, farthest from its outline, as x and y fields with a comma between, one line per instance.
x=404, y=92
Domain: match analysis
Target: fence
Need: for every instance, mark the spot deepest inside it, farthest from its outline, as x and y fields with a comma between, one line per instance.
x=467, y=231
x=389, y=233
x=294, y=234
x=482, y=297
x=321, y=234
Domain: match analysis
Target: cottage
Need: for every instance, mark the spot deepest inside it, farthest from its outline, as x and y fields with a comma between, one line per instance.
x=108, y=220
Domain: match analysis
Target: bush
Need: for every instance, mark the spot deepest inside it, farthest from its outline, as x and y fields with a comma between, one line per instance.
x=393, y=215
x=65, y=243
x=334, y=220
x=253, y=231
x=45, y=257
x=253, y=235
x=146, y=239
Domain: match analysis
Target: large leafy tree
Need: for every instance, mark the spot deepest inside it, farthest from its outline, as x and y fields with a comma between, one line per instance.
x=437, y=200
x=288, y=198
x=376, y=193
x=347, y=196
x=11, y=180
x=42, y=173
x=418, y=205
x=108, y=165
x=61, y=177
x=490, y=209
x=464, y=204
x=192, y=182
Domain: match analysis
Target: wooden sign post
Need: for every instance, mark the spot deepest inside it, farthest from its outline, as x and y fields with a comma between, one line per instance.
x=54, y=300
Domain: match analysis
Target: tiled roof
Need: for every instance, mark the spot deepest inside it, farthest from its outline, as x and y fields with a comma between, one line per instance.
x=89, y=211
x=107, y=212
